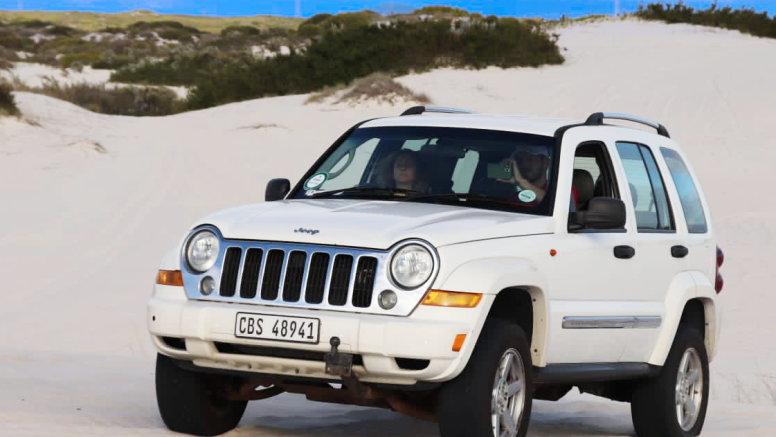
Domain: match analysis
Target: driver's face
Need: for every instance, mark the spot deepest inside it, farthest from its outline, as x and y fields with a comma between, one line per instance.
x=531, y=166
x=404, y=170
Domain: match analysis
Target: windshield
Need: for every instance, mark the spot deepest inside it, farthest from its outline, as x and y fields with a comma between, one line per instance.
x=468, y=167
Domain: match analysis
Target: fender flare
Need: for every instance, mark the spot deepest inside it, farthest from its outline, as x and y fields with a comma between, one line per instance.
x=685, y=287
x=491, y=276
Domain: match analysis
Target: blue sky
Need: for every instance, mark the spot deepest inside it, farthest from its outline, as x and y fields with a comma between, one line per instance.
x=523, y=8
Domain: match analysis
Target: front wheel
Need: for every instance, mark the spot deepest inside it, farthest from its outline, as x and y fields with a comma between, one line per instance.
x=192, y=403
x=492, y=397
x=673, y=403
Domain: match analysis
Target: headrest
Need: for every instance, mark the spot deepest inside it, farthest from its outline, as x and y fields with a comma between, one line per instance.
x=583, y=182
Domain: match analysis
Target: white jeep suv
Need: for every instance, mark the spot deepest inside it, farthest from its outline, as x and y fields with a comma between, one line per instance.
x=452, y=266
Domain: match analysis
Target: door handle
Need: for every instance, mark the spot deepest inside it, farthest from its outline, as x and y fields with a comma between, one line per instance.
x=679, y=251
x=624, y=252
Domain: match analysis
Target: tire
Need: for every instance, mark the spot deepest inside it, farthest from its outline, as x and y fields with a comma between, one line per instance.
x=188, y=401
x=658, y=401
x=466, y=403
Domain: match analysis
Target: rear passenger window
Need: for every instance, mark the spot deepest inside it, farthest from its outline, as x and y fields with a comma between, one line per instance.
x=650, y=201
x=688, y=194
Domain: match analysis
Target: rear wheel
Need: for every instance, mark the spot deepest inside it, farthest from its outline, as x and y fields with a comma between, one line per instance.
x=673, y=404
x=492, y=397
x=193, y=402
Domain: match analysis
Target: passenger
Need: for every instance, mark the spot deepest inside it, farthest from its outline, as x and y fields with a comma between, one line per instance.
x=529, y=173
x=403, y=171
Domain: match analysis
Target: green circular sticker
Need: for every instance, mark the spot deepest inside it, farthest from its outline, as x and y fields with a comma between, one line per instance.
x=527, y=196
x=316, y=181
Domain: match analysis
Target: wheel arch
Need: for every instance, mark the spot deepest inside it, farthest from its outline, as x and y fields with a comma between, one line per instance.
x=691, y=300
x=512, y=282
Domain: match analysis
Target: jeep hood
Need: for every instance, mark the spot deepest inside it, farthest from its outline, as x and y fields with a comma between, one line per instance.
x=377, y=224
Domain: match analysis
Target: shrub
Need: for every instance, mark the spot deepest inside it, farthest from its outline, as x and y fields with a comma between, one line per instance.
x=376, y=86
x=7, y=101
x=352, y=52
x=237, y=31
x=441, y=10
x=131, y=101
x=744, y=20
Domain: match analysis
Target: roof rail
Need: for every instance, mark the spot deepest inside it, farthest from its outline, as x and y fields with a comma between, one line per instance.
x=417, y=110
x=597, y=119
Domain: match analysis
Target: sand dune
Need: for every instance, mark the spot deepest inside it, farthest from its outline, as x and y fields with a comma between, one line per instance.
x=91, y=202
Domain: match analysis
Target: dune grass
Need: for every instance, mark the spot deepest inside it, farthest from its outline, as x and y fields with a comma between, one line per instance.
x=122, y=100
x=744, y=20
x=93, y=21
x=7, y=102
x=375, y=87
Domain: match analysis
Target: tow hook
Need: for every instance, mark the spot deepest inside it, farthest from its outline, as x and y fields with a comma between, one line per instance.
x=338, y=364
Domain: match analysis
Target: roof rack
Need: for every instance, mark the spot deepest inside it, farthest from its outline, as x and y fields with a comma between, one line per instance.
x=597, y=119
x=417, y=110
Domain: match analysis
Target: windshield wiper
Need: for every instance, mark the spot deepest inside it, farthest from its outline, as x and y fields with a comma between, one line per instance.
x=373, y=191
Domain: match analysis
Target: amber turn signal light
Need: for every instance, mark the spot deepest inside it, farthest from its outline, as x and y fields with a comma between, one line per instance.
x=458, y=343
x=169, y=277
x=455, y=299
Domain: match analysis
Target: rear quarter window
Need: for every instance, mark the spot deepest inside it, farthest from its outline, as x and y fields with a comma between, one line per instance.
x=688, y=193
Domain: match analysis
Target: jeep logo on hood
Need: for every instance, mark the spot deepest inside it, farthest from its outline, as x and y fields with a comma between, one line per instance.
x=306, y=231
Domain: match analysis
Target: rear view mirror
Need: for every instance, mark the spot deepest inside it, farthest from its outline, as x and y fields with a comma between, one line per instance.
x=277, y=189
x=601, y=213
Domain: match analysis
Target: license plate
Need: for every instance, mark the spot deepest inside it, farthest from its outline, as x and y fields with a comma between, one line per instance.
x=279, y=328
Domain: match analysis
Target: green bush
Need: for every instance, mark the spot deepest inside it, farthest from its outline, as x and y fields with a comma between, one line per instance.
x=353, y=52
x=442, y=10
x=174, y=70
x=744, y=20
x=131, y=101
x=7, y=101
x=238, y=31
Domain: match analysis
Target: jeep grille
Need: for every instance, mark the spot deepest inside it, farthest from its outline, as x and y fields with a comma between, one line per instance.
x=292, y=275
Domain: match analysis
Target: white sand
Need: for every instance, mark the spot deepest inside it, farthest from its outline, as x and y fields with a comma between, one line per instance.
x=82, y=232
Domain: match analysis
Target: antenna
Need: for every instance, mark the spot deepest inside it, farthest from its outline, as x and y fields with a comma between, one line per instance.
x=20, y=5
x=616, y=8
x=298, y=11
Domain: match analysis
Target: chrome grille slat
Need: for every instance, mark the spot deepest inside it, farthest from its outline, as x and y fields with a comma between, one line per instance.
x=229, y=275
x=251, y=273
x=273, y=271
x=294, y=277
x=342, y=271
x=315, y=279
x=364, y=281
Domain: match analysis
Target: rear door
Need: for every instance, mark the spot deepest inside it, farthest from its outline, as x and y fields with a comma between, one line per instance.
x=661, y=251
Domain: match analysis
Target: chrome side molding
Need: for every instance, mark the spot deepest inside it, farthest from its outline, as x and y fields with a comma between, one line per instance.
x=625, y=322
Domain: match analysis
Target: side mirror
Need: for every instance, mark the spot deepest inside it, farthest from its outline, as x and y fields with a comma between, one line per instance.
x=277, y=189
x=602, y=213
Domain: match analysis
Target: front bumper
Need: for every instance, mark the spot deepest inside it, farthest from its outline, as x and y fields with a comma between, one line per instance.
x=427, y=334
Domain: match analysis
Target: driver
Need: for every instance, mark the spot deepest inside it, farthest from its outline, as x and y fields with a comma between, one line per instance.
x=402, y=170
x=529, y=173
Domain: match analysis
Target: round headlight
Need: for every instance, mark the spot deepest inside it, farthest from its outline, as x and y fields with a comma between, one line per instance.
x=202, y=251
x=411, y=266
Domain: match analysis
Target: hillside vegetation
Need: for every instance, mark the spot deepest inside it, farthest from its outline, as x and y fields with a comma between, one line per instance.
x=94, y=21
x=744, y=20
x=245, y=61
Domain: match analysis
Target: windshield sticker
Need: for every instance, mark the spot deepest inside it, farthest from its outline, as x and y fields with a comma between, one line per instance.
x=527, y=196
x=316, y=181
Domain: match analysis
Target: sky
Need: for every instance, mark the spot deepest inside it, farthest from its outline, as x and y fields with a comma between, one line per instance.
x=307, y=8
